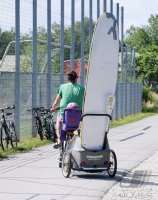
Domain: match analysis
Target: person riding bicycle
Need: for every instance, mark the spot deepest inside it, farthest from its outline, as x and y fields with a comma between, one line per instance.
x=67, y=93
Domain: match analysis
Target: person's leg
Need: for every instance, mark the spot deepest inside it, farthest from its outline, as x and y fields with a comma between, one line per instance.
x=58, y=129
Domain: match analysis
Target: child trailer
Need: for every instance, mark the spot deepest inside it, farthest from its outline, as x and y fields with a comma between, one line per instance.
x=77, y=158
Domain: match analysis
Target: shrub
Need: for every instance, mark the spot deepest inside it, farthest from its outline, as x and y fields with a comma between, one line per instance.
x=146, y=94
x=149, y=107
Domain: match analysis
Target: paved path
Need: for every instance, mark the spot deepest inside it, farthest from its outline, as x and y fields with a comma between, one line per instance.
x=140, y=183
x=35, y=175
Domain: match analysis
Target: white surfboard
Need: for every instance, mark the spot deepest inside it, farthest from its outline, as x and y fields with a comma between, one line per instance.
x=101, y=82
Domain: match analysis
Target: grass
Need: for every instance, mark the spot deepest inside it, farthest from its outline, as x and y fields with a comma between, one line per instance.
x=132, y=118
x=26, y=144
x=29, y=143
x=154, y=96
x=151, y=104
x=150, y=108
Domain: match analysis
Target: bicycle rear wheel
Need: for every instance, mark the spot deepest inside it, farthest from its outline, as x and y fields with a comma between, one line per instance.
x=53, y=135
x=66, y=164
x=51, y=132
x=39, y=129
x=13, y=136
x=4, y=139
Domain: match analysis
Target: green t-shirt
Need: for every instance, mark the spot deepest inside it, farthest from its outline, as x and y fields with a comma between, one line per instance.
x=70, y=92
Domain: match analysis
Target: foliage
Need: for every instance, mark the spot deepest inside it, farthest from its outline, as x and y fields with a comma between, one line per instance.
x=147, y=64
x=154, y=96
x=152, y=29
x=145, y=95
x=150, y=100
x=149, y=107
x=26, y=47
x=5, y=38
x=145, y=40
x=137, y=38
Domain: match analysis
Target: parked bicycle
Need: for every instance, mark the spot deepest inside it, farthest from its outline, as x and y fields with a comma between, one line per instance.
x=48, y=125
x=44, y=123
x=8, y=133
x=39, y=127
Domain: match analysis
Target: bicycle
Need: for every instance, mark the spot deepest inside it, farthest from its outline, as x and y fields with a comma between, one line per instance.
x=39, y=127
x=8, y=133
x=48, y=125
x=44, y=123
x=70, y=124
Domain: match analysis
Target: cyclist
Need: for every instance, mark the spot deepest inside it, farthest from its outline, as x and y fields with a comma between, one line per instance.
x=67, y=93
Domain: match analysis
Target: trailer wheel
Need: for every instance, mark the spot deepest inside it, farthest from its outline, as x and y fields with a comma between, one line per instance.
x=112, y=164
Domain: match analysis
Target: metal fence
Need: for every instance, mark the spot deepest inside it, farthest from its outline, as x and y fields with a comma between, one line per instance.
x=32, y=61
x=128, y=97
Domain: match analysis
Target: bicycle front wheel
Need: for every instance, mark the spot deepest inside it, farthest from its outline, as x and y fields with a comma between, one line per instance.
x=4, y=139
x=13, y=136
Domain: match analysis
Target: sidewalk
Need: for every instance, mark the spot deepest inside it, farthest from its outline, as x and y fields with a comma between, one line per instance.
x=35, y=175
x=140, y=183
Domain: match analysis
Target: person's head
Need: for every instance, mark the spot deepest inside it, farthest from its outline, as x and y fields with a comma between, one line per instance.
x=72, y=76
x=72, y=105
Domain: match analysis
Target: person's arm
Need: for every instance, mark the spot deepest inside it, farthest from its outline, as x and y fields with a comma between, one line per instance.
x=56, y=103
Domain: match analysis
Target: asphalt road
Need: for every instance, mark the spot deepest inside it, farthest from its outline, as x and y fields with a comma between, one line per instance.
x=35, y=175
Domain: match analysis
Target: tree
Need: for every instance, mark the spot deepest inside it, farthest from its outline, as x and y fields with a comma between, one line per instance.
x=137, y=38
x=26, y=47
x=152, y=29
x=147, y=65
x=5, y=38
x=145, y=40
x=67, y=40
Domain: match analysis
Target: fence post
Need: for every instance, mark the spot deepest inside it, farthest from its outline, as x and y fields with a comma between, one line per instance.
x=117, y=15
x=62, y=43
x=17, y=64
x=34, y=70
x=49, y=71
x=116, y=102
x=82, y=43
x=104, y=5
x=126, y=80
x=122, y=38
x=72, y=34
x=122, y=62
x=98, y=8
x=134, y=64
x=90, y=22
x=111, y=6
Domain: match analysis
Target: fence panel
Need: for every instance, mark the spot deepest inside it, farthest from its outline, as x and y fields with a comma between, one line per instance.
x=55, y=36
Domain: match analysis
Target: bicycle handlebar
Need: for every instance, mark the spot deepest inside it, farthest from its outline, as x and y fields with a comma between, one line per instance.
x=36, y=108
x=7, y=107
x=42, y=109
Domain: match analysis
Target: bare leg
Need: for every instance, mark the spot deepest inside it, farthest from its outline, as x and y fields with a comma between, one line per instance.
x=58, y=130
